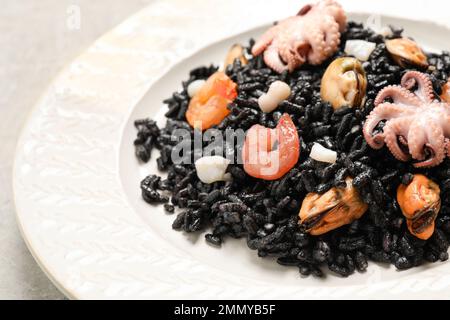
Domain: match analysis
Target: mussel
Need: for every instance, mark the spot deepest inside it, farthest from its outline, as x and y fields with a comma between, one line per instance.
x=344, y=83
x=236, y=52
x=405, y=52
x=321, y=213
x=420, y=203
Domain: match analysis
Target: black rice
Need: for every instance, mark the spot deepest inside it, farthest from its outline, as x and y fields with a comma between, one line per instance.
x=266, y=212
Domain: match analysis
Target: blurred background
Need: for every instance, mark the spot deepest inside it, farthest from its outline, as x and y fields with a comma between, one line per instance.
x=37, y=38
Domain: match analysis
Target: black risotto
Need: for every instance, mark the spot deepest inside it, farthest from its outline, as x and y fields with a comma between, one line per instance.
x=265, y=213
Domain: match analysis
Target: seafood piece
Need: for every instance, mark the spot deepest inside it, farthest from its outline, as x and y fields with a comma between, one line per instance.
x=378, y=28
x=212, y=168
x=321, y=213
x=420, y=203
x=360, y=49
x=208, y=107
x=344, y=83
x=269, y=154
x=322, y=154
x=406, y=52
x=416, y=125
x=236, y=52
x=194, y=87
x=278, y=91
x=312, y=36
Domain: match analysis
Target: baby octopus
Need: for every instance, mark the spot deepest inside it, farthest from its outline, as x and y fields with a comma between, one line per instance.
x=416, y=124
x=313, y=35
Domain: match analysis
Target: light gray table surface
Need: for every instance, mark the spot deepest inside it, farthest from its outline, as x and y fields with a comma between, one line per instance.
x=37, y=38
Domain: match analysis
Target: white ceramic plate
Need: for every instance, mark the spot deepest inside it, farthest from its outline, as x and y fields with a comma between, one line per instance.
x=76, y=179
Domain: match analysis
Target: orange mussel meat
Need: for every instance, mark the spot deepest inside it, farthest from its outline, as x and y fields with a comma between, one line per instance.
x=321, y=213
x=406, y=52
x=420, y=203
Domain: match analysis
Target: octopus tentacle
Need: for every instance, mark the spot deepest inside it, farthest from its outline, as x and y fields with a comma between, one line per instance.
x=399, y=95
x=297, y=55
x=393, y=129
x=286, y=55
x=292, y=54
x=330, y=29
x=444, y=120
x=301, y=49
x=417, y=138
x=273, y=60
x=334, y=9
x=315, y=37
x=424, y=89
x=385, y=111
x=435, y=144
x=265, y=41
